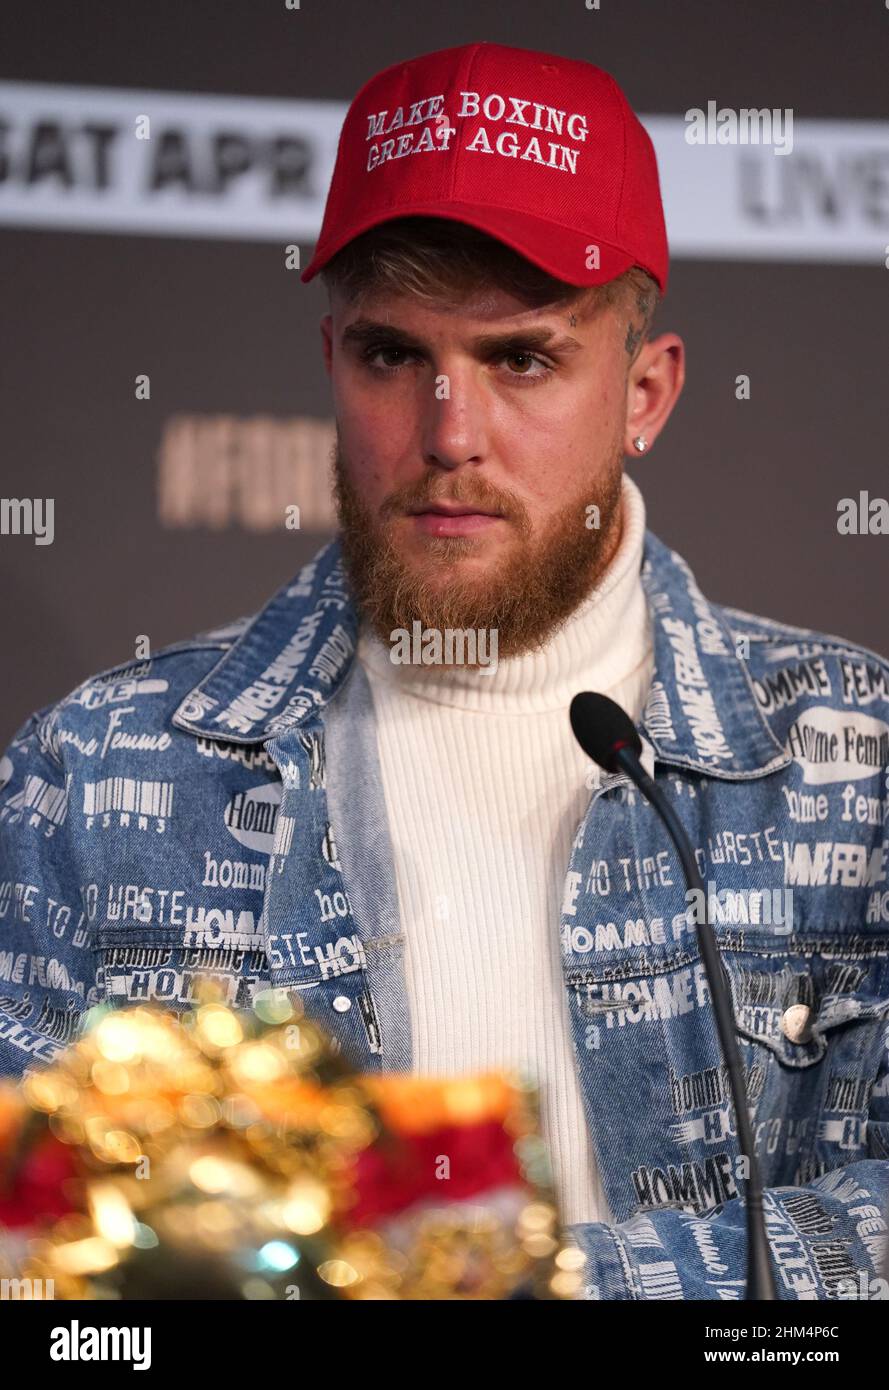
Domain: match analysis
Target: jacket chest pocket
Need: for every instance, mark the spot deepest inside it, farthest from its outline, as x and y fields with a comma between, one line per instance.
x=140, y=967
x=810, y=1028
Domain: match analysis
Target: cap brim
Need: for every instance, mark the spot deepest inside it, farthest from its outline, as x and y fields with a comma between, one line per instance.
x=561, y=251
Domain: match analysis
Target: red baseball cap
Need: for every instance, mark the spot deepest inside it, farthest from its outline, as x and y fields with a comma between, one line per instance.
x=542, y=152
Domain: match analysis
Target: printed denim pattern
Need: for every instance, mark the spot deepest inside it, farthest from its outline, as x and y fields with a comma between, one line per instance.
x=217, y=810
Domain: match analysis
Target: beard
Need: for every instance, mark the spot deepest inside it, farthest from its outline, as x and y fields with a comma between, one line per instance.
x=524, y=597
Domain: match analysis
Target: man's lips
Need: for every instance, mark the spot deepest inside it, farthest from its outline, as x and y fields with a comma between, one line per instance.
x=456, y=519
x=450, y=509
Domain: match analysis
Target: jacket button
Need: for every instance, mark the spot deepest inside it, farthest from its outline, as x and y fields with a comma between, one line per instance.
x=341, y=1003
x=796, y=1023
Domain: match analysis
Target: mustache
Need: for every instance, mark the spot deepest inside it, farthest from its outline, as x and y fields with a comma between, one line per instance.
x=466, y=490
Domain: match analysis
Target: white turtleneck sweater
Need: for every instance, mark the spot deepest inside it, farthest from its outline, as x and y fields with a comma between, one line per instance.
x=484, y=787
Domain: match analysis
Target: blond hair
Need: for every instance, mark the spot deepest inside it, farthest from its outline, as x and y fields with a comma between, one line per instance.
x=440, y=259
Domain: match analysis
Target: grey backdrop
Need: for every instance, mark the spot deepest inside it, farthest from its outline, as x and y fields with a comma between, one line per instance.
x=747, y=492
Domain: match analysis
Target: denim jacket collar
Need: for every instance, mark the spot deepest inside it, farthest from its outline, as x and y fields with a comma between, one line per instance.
x=295, y=654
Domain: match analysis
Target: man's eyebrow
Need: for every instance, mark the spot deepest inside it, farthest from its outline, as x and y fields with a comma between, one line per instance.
x=364, y=331
x=517, y=338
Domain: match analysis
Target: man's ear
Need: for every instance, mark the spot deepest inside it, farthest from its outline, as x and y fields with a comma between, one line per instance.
x=327, y=341
x=654, y=384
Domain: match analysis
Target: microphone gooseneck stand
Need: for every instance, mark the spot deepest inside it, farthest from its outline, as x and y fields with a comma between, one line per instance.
x=607, y=734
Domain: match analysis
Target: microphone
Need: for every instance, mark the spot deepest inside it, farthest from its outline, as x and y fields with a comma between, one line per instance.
x=606, y=734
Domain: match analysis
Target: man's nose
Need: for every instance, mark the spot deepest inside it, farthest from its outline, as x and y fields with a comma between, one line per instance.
x=454, y=422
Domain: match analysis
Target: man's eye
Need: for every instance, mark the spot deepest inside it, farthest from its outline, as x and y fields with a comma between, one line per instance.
x=383, y=350
x=528, y=359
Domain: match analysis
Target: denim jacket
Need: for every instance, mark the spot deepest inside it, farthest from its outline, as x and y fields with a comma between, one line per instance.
x=217, y=810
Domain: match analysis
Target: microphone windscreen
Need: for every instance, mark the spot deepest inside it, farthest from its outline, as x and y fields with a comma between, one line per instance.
x=599, y=724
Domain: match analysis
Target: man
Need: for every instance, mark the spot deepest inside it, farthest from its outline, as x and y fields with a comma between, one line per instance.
x=370, y=792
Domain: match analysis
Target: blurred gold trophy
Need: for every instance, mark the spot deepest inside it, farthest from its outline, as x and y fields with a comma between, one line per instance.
x=229, y=1155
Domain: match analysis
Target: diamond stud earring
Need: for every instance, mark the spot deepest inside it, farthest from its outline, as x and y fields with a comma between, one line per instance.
x=640, y=443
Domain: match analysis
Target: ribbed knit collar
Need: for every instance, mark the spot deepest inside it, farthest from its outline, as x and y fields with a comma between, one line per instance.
x=605, y=640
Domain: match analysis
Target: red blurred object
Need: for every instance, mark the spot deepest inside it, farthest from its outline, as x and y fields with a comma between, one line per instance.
x=34, y=1184
x=391, y=1176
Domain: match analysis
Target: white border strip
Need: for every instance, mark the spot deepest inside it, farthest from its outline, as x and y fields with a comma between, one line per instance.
x=827, y=200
